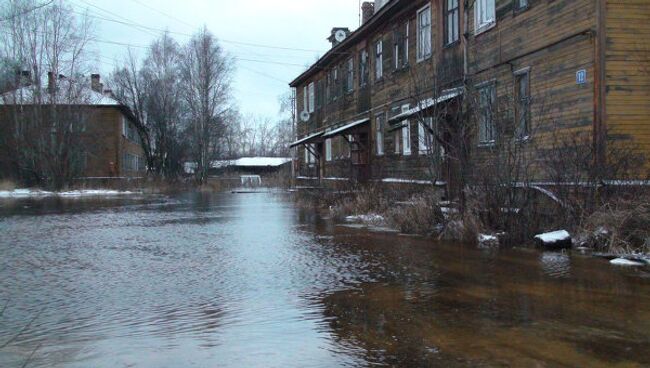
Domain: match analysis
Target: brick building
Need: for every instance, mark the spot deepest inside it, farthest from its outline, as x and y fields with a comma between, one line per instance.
x=109, y=144
x=373, y=107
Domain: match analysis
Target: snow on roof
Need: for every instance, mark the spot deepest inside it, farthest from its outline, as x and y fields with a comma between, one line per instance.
x=81, y=95
x=446, y=95
x=346, y=127
x=251, y=162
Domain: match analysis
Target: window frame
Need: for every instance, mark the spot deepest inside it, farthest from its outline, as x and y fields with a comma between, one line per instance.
x=428, y=31
x=518, y=7
x=487, y=117
x=401, y=45
x=482, y=7
x=349, y=87
x=311, y=98
x=454, y=14
x=379, y=59
x=363, y=68
x=520, y=134
x=407, y=148
x=380, y=122
x=328, y=149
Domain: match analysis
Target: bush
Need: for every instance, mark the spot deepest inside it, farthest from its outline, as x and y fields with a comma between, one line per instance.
x=619, y=227
x=421, y=215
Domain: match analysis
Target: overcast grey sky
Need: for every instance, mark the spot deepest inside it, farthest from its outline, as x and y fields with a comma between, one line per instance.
x=262, y=72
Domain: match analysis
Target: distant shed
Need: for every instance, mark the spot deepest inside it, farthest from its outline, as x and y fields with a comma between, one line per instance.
x=252, y=165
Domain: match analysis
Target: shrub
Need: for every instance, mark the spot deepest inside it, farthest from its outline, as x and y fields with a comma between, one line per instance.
x=619, y=227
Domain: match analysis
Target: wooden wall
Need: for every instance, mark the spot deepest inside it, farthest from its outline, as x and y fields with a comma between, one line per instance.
x=627, y=71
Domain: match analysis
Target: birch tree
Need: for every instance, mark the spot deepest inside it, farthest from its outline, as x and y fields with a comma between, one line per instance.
x=206, y=79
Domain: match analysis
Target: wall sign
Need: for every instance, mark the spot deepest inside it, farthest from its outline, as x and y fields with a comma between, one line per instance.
x=581, y=76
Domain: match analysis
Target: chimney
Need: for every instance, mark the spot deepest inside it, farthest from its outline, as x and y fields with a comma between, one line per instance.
x=94, y=83
x=51, y=82
x=367, y=11
x=23, y=78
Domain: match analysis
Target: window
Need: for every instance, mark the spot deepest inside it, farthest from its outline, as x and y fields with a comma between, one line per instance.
x=425, y=136
x=406, y=133
x=398, y=138
x=401, y=38
x=484, y=14
x=522, y=104
x=305, y=99
x=452, y=20
x=350, y=76
x=132, y=162
x=363, y=68
x=337, y=86
x=328, y=149
x=380, y=121
x=379, y=60
x=521, y=4
x=424, y=33
x=128, y=130
x=319, y=94
x=312, y=97
x=487, y=103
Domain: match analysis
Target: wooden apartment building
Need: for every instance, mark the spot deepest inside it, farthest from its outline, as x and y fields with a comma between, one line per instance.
x=372, y=108
x=108, y=144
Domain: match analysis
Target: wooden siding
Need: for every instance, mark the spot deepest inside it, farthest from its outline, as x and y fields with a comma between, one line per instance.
x=627, y=72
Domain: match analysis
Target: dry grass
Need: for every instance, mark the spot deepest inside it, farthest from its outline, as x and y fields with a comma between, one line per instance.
x=420, y=215
x=7, y=185
x=619, y=227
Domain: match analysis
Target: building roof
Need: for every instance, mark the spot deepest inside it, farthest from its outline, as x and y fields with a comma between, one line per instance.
x=446, y=95
x=347, y=127
x=82, y=95
x=251, y=162
x=386, y=10
x=308, y=139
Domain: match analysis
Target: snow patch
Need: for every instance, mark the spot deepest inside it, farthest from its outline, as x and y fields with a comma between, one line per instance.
x=370, y=218
x=554, y=237
x=35, y=193
x=625, y=262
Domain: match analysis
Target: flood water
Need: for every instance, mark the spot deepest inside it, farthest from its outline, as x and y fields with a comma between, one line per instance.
x=248, y=280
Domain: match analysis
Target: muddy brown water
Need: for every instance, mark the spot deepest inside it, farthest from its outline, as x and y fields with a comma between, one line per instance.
x=248, y=280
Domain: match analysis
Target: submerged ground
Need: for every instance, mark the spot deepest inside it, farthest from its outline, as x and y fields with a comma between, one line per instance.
x=248, y=280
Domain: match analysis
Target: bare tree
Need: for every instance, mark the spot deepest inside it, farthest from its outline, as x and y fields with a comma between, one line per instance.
x=207, y=73
x=128, y=86
x=46, y=139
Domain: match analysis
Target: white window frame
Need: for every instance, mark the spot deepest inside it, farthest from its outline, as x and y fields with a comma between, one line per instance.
x=484, y=15
x=379, y=59
x=397, y=139
x=424, y=34
x=425, y=137
x=305, y=99
x=380, y=121
x=312, y=97
x=328, y=149
x=406, y=133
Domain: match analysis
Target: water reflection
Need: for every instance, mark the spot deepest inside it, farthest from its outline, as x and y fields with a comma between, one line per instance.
x=248, y=280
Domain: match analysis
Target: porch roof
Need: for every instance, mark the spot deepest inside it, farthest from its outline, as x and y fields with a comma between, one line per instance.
x=345, y=128
x=446, y=95
x=308, y=139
